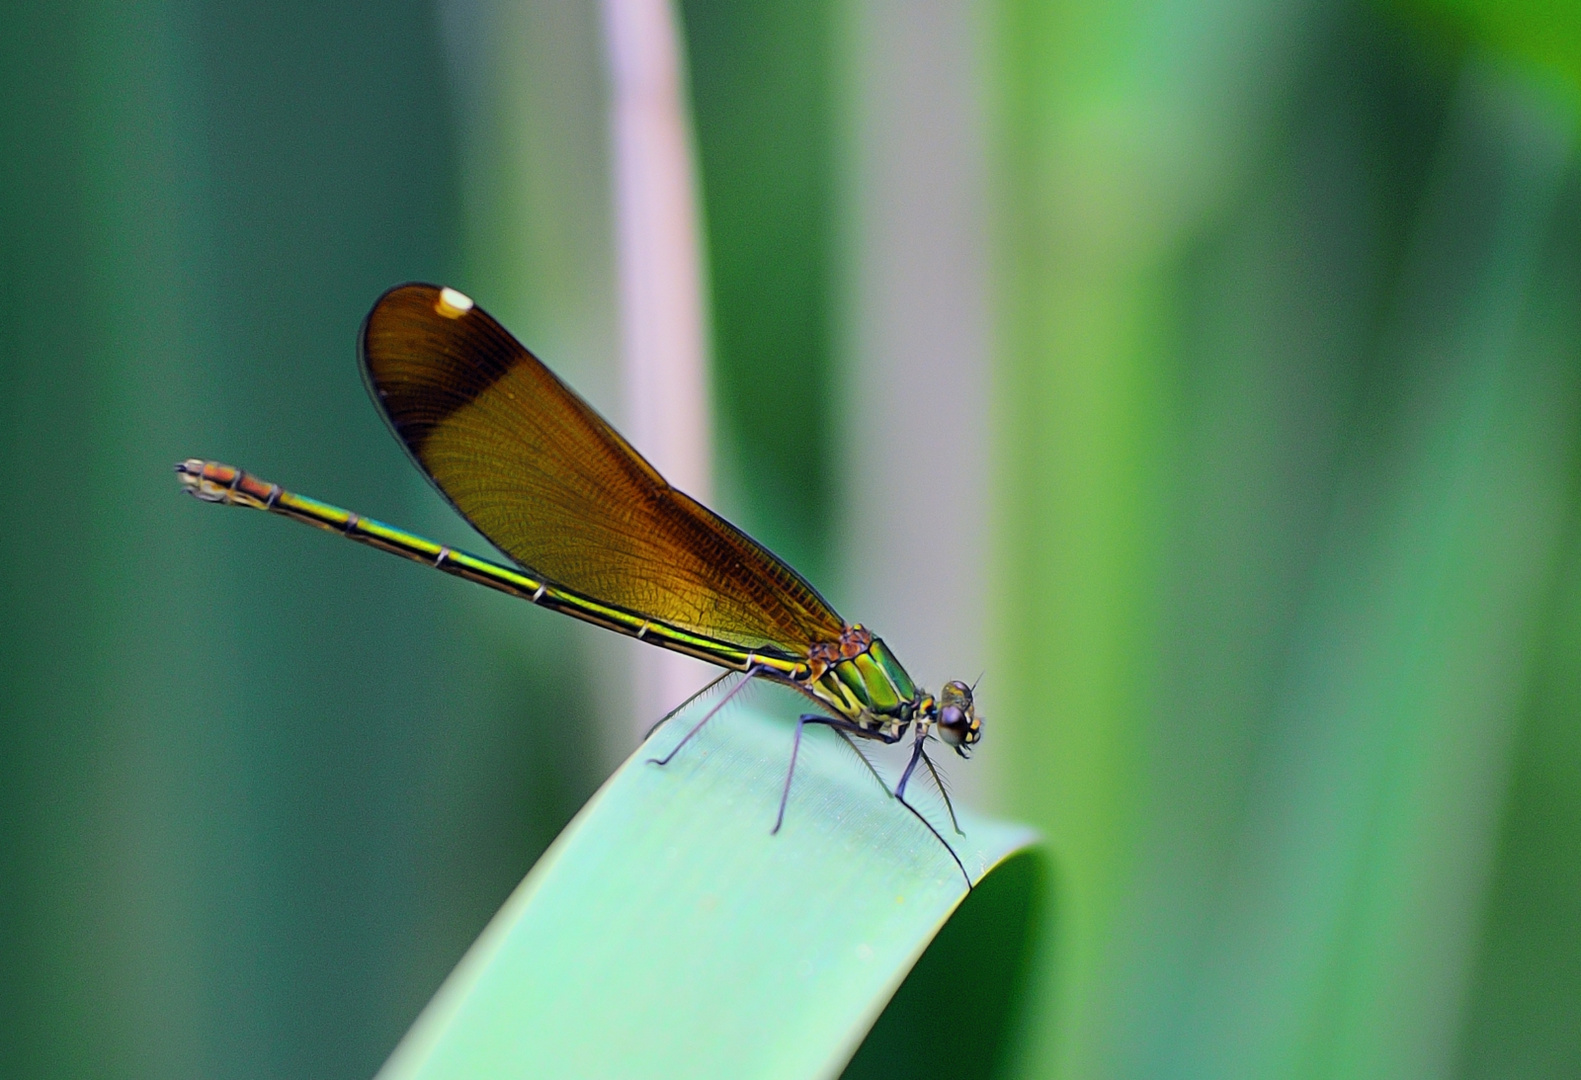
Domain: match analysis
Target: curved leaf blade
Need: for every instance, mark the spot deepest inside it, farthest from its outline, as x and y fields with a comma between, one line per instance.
x=667, y=933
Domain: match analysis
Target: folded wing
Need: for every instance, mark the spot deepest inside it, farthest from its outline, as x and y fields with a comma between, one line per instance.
x=542, y=475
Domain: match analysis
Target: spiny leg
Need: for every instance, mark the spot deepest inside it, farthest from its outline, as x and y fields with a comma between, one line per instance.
x=918, y=753
x=905, y=777
x=667, y=717
x=944, y=793
x=842, y=727
x=734, y=690
x=940, y=838
x=801, y=721
x=857, y=750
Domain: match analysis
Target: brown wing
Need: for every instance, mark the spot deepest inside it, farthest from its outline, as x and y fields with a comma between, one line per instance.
x=540, y=474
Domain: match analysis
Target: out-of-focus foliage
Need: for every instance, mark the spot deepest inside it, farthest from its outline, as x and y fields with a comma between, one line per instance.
x=1542, y=35
x=258, y=790
x=765, y=122
x=1291, y=413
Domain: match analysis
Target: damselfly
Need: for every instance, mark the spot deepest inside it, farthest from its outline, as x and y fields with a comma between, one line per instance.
x=598, y=534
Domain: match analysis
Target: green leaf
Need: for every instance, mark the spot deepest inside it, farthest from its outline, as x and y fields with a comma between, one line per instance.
x=668, y=933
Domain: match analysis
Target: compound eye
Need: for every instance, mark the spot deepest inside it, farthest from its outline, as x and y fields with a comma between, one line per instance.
x=955, y=725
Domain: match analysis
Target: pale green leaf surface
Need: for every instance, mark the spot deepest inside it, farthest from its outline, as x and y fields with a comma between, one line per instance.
x=667, y=933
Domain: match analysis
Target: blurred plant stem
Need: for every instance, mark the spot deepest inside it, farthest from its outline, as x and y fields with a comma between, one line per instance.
x=663, y=305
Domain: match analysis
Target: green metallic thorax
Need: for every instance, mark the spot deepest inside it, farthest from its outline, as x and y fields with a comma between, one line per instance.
x=869, y=688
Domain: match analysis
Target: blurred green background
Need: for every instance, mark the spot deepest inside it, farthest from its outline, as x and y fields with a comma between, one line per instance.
x=1208, y=375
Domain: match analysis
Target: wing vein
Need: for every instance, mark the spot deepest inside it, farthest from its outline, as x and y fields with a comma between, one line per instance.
x=550, y=483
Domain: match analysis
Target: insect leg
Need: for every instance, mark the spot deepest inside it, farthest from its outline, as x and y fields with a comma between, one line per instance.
x=667, y=717
x=905, y=777
x=944, y=792
x=840, y=726
x=844, y=726
x=734, y=690
x=865, y=759
x=801, y=722
x=919, y=753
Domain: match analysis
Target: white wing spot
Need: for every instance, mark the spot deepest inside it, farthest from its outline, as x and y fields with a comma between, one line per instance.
x=452, y=304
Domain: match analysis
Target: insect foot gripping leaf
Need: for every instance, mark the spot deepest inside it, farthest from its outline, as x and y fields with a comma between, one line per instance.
x=666, y=933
